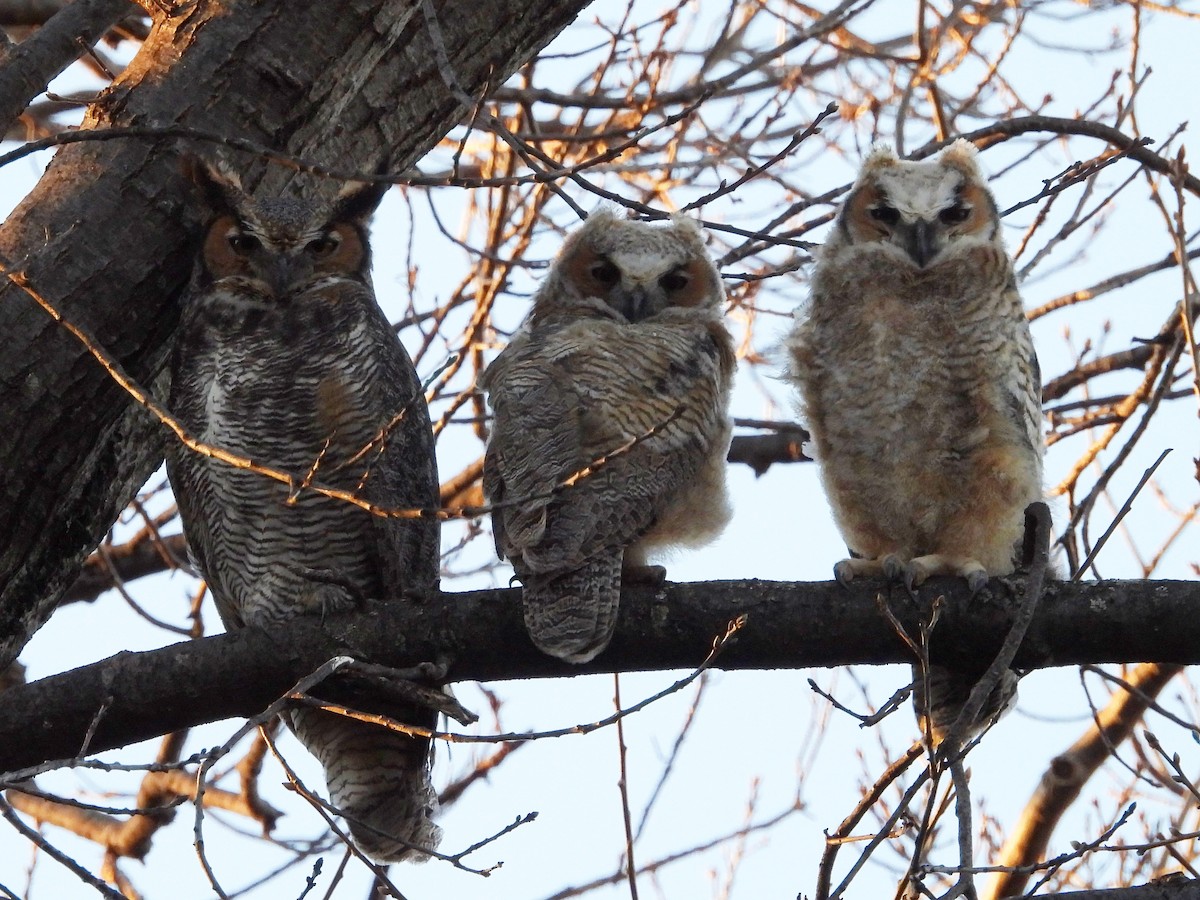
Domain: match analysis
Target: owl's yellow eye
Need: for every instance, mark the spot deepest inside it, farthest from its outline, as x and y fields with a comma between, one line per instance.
x=954, y=215
x=243, y=244
x=887, y=215
x=604, y=272
x=324, y=246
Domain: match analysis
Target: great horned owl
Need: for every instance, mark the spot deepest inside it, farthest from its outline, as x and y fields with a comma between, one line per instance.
x=918, y=378
x=611, y=424
x=284, y=357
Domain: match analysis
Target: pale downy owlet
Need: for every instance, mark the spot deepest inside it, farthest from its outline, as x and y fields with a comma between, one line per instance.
x=611, y=424
x=284, y=357
x=919, y=383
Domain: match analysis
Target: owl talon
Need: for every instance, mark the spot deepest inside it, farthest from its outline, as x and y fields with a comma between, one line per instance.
x=976, y=580
x=915, y=575
x=644, y=574
x=894, y=568
x=857, y=567
x=921, y=568
x=328, y=593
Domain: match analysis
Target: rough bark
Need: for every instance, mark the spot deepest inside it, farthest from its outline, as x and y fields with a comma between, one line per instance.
x=481, y=636
x=32, y=64
x=105, y=235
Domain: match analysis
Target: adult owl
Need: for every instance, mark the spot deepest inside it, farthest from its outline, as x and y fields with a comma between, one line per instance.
x=284, y=357
x=920, y=385
x=611, y=424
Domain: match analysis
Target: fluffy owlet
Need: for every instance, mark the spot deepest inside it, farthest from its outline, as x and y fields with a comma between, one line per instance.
x=284, y=357
x=918, y=378
x=611, y=424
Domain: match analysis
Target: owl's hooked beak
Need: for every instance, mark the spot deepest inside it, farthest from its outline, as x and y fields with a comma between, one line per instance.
x=919, y=240
x=636, y=303
x=284, y=273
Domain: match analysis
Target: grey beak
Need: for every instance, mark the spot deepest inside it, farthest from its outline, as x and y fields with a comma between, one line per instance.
x=636, y=305
x=919, y=242
x=281, y=275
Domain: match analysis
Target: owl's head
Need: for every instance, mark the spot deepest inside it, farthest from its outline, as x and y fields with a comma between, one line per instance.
x=635, y=268
x=276, y=248
x=922, y=209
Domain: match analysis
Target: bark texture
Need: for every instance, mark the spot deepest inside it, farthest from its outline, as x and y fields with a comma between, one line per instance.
x=31, y=65
x=481, y=634
x=106, y=235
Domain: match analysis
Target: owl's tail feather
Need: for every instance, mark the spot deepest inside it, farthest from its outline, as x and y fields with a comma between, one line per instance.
x=573, y=616
x=948, y=694
x=378, y=779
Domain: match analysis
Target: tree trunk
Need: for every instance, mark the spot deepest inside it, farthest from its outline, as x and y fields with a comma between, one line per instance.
x=106, y=236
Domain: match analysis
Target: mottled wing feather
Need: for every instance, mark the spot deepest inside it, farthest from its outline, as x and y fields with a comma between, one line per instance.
x=539, y=445
x=1021, y=376
x=403, y=476
x=197, y=490
x=625, y=400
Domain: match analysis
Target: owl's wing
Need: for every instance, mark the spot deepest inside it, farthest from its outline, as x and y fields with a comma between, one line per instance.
x=196, y=490
x=404, y=474
x=195, y=480
x=535, y=445
x=598, y=423
x=1022, y=383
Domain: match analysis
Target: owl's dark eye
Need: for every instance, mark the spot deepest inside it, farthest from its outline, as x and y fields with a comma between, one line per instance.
x=888, y=215
x=243, y=244
x=604, y=272
x=674, y=281
x=954, y=215
x=324, y=245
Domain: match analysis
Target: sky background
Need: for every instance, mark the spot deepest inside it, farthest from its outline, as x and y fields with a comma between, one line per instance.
x=761, y=742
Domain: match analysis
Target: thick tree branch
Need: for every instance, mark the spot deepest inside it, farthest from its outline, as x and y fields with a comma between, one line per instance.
x=1133, y=358
x=481, y=636
x=33, y=63
x=761, y=451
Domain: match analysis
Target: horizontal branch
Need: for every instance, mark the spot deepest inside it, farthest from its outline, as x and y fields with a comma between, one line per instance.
x=480, y=635
x=1019, y=125
x=1133, y=358
x=126, y=562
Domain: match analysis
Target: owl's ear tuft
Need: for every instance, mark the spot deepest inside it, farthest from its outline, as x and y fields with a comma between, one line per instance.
x=882, y=156
x=219, y=188
x=689, y=229
x=963, y=156
x=602, y=214
x=358, y=200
